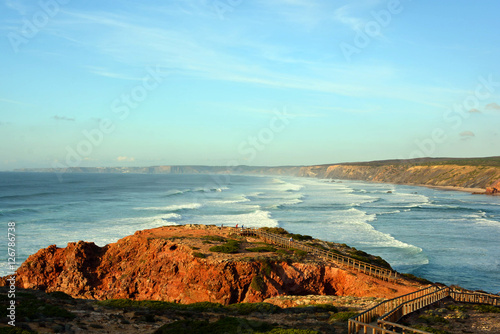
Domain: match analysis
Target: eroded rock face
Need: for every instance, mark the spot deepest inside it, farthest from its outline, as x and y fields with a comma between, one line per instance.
x=146, y=266
x=494, y=189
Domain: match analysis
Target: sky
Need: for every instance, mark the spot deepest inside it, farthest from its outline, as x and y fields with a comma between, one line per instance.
x=240, y=82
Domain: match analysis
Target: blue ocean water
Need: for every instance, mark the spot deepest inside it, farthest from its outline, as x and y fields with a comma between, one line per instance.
x=445, y=236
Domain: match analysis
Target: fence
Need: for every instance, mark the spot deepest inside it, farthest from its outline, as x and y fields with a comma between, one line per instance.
x=383, y=318
x=397, y=308
x=343, y=260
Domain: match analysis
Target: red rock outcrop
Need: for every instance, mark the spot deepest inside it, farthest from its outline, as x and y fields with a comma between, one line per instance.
x=159, y=264
x=494, y=189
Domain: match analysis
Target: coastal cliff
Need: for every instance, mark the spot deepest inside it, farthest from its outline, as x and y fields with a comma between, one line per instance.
x=178, y=264
x=480, y=175
x=474, y=177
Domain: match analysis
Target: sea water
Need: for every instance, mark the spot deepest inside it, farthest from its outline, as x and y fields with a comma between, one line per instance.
x=444, y=236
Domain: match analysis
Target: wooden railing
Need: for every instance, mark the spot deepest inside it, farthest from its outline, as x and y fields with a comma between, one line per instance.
x=363, y=320
x=383, y=318
x=397, y=308
x=475, y=298
x=343, y=260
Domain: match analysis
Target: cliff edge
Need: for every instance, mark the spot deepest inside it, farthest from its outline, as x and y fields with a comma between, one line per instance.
x=184, y=264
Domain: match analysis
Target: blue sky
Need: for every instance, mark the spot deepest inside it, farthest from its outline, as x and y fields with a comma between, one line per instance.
x=264, y=82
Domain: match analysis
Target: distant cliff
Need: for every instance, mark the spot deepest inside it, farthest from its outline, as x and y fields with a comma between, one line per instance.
x=445, y=173
x=260, y=170
x=476, y=173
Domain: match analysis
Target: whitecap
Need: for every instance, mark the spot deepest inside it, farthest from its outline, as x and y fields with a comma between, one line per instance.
x=233, y=200
x=388, y=212
x=487, y=222
x=257, y=218
x=178, y=207
x=174, y=192
x=146, y=220
x=358, y=220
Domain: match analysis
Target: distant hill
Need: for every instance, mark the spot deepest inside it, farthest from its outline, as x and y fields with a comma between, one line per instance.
x=444, y=172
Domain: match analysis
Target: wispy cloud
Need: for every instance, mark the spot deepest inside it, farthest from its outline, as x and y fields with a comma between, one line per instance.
x=493, y=106
x=351, y=14
x=306, y=14
x=100, y=71
x=63, y=118
x=125, y=159
x=14, y=102
x=474, y=111
x=344, y=15
x=467, y=134
x=141, y=41
x=20, y=6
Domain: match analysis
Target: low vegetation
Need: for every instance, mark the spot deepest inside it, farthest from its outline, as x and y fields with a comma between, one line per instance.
x=34, y=308
x=214, y=238
x=258, y=283
x=199, y=255
x=342, y=316
x=230, y=247
x=227, y=325
x=262, y=249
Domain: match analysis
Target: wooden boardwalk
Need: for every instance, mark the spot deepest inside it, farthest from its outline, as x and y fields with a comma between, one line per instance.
x=388, y=313
x=345, y=261
x=383, y=318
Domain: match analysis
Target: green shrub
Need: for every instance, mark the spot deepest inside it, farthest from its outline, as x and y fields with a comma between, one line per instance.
x=275, y=230
x=160, y=305
x=342, y=316
x=199, y=255
x=214, y=238
x=231, y=246
x=226, y=325
x=315, y=245
x=300, y=237
x=300, y=253
x=221, y=326
x=266, y=268
x=461, y=308
x=487, y=308
x=317, y=308
x=262, y=249
x=37, y=308
x=203, y=306
x=247, y=308
x=257, y=283
x=430, y=329
x=60, y=295
x=147, y=304
x=431, y=318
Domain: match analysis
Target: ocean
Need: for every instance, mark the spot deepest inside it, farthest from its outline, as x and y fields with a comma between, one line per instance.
x=445, y=236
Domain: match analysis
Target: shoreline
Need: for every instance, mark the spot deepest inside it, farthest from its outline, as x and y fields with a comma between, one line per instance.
x=473, y=191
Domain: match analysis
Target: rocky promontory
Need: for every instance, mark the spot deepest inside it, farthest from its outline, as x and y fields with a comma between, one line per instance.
x=197, y=263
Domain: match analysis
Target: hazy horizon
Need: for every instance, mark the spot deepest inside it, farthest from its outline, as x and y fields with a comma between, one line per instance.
x=258, y=83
